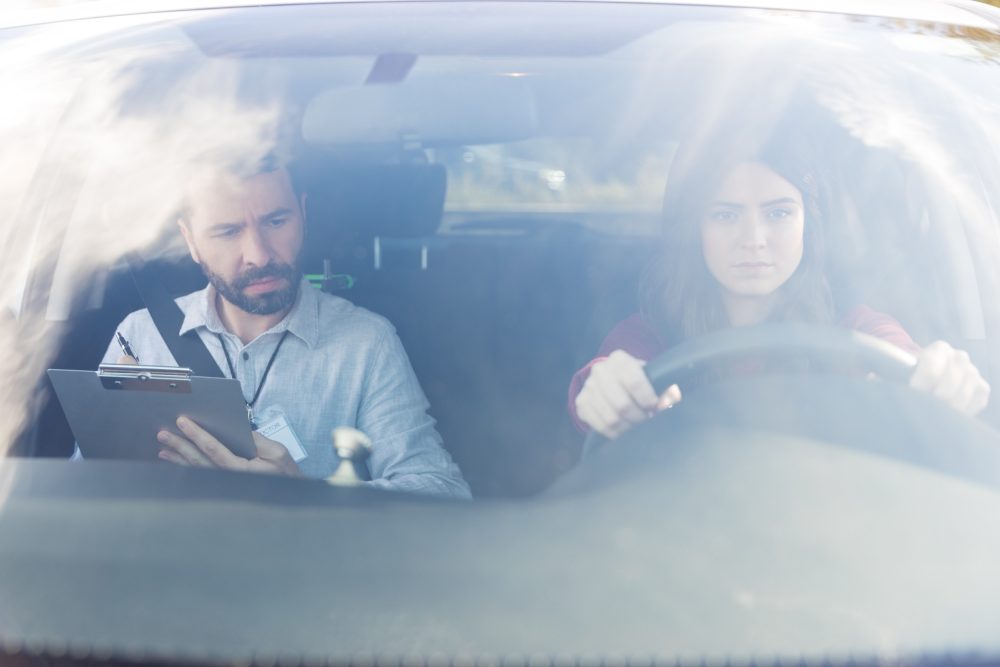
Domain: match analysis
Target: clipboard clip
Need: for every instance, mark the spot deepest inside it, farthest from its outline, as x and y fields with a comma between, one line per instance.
x=128, y=377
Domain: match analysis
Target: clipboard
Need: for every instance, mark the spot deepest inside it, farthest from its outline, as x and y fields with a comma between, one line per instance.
x=116, y=411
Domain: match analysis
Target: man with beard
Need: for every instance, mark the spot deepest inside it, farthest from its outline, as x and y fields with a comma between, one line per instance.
x=307, y=361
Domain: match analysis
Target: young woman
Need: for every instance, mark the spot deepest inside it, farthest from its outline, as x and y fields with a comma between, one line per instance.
x=741, y=249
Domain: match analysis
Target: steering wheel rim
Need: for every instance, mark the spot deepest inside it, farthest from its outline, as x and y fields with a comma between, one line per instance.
x=811, y=341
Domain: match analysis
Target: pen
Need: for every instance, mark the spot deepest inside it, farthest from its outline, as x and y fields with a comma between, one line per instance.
x=126, y=348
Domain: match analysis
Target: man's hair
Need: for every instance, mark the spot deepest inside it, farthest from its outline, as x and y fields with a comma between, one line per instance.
x=240, y=171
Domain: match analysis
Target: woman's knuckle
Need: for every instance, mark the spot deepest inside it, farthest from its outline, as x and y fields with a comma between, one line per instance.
x=635, y=385
x=620, y=406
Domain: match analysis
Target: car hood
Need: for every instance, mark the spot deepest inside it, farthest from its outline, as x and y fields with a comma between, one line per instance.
x=746, y=546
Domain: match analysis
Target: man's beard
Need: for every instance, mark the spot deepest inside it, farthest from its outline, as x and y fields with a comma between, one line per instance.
x=263, y=304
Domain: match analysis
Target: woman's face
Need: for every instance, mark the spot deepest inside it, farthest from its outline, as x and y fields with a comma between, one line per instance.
x=751, y=232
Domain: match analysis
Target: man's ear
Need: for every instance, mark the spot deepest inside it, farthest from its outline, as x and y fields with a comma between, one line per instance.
x=186, y=233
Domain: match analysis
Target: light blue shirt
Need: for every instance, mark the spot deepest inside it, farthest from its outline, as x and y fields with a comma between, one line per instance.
x=340, y=365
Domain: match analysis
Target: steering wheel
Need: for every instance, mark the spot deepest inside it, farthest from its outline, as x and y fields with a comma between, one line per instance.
x=827, y=345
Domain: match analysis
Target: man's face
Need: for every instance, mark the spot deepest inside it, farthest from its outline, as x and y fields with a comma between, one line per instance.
x=247, y=237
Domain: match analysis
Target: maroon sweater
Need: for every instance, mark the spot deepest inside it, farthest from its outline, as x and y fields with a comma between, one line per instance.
x=636, y=337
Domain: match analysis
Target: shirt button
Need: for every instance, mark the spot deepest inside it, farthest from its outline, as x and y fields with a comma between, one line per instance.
x=246, y=356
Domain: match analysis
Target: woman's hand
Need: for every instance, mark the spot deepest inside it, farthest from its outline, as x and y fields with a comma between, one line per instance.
x=617, y=395
x=950, y=375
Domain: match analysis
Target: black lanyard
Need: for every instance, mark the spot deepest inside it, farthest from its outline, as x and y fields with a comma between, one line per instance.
x=267, y=369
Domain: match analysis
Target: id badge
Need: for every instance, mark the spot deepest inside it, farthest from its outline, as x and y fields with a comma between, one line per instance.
x=277, y=428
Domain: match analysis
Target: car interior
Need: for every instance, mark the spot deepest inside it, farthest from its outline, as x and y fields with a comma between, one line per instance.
x=498, y=307
x=494, y=324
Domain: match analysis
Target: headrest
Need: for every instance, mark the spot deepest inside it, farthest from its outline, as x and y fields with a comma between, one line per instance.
x=395, y=200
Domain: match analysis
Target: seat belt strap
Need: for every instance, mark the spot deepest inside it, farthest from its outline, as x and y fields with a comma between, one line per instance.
x=188, y=350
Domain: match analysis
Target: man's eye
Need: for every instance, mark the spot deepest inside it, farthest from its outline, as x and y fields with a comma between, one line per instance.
x=227, y=232
x=277, y=222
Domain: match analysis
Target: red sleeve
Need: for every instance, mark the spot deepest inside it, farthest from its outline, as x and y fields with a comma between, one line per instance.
x=632, y=335
x=870, y=321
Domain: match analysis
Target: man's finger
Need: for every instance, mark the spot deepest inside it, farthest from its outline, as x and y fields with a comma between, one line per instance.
x=183, y=448
x=125, y=359
x=267, y=448
x=273, y=457
x=171, y=457
x=216, y=452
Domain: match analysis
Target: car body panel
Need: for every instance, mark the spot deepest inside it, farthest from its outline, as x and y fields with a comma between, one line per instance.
x=818, y=518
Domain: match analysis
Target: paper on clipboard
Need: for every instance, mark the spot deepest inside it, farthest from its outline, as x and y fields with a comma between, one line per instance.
x=116, y=411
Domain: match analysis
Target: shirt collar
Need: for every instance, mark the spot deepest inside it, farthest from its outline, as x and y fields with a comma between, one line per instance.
x=302, y=320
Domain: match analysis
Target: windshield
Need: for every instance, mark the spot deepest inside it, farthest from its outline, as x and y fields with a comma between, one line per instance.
x=527, y=206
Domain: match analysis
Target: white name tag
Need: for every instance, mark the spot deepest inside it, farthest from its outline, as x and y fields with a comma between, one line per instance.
x=280, y=430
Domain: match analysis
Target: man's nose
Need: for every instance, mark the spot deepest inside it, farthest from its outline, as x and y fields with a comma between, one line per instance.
x=753, y=232
x=256, y=249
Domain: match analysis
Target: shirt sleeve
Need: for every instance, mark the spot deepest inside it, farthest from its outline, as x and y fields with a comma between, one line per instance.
x=632, y=335
x=407, y=452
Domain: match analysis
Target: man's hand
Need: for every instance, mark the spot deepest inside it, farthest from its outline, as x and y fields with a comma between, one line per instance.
x=617, y=395
x=199, y=448
x=950, y=375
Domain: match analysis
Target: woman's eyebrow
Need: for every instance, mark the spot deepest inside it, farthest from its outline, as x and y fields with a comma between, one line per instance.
x=782, y=200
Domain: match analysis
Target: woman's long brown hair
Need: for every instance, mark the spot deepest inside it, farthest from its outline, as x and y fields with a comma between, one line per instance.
x=678, y=296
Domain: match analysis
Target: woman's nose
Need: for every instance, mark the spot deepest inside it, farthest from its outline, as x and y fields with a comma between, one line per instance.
x=753, y=233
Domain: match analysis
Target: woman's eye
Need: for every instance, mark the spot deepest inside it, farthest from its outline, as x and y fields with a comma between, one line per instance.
x=779, y=213
x=722, y=216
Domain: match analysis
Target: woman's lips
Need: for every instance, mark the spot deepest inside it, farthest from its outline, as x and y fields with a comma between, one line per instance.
x=753, y=265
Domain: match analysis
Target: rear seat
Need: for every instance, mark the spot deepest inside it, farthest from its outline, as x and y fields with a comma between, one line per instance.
x=494, y=323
